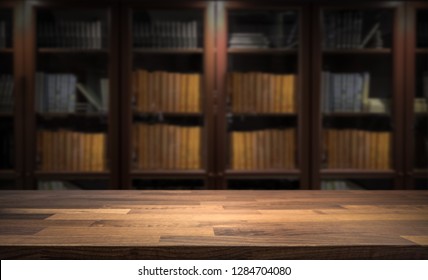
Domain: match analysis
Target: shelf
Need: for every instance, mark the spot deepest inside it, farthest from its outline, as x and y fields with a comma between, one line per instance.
x=357, y=173
x=6, y=50
x=7, y=174
x=168, y=50
x=6, y=115
x=261, y=51
x=421, y=114
x=64, y=175
x=422, y=51
x=264, y=173
x=356, y=115
x=71, y=51
x=168, y=173
x=71, y=115
x=358, y=51
x=421, y=173
x=166, y=114
x=261, y=115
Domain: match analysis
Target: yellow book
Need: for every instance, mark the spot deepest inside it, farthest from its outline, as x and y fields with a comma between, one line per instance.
x=182, y=94
x=388, y=144
x=235, y=88
x=267, y=94
x=197, y=147
x=252, y=98
x=284, y=93
x=285, y=148
x=170, y=92
x=233, y=148
x=67, y=151
x=243, y=91
x=292, y=93
x=198, y=92
x=294, y=147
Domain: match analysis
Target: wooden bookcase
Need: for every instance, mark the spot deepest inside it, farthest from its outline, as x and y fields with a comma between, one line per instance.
x=357, y=107
x=263, y=114
x=72, y=112
x=215, y=94
x=167, y=83
x=11, y=96
x=416, y=91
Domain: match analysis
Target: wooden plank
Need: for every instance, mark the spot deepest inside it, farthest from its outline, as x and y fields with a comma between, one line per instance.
x=214, y=224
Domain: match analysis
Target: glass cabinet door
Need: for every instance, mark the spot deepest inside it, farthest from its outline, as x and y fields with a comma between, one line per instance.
x=358, y=92
x=417, y=97
x=263, y=95
x=11, y=71
x=73, y=77
x=166, y=87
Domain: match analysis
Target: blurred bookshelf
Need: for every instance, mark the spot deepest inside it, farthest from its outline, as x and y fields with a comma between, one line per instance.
x=213, y=95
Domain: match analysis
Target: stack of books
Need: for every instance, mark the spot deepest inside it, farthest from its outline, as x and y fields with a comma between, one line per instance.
x=340, y=185
x=167, y=92
x=6, y=93
x=263, y=149
x=166, y=34
x=57, y=93
x=163, y=146
x=248, y=40
x=357, y=149
x=56, y=185
x=344, y=30
x=66, y=150
x=70, y=34
x=257, y=92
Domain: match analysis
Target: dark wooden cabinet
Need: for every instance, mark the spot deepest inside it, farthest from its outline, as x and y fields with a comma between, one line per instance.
x=416, y=93
x=124, y=94
x=12, y=82
x=72, y=77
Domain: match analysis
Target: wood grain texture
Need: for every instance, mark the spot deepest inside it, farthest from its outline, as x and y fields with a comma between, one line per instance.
x=214, y=225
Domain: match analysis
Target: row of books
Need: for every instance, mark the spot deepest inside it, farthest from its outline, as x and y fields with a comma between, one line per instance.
x=248, y=40
x=4, y=34
x=166, y=34
x=56, y=186
x=344, y=29
x=7, y=144
x=357, y=149
x=6, y=93
x=70, y=34
x=257, y=92
x=263, y=149
x=345, y=92
x=339, y=185
x=166, y=91
x=57, y=93
x=163, y=146
x=420, y=105
x=66, y=150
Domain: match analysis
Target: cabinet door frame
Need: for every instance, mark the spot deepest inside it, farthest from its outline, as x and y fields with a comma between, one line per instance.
x=409, y=92
x=303, y=131
x=17, y=173
x=30, y=56
x=397, y=172
x=208, y=107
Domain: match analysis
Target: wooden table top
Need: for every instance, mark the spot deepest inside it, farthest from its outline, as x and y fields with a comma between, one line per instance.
x=214, y=224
